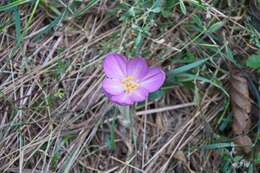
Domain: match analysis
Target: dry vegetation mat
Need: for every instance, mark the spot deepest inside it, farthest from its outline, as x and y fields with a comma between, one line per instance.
x=56, y=118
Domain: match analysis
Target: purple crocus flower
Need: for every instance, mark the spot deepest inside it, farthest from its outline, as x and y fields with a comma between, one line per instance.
x=130, y=81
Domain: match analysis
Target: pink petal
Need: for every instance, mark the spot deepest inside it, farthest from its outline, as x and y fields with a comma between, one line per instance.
x=139, y=95
x=154, y=79
x=112, y=86
x=115, y=65
x=137, y=67
x=122, y=99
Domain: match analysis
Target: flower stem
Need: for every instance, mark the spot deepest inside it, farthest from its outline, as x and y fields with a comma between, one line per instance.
x=127, y=120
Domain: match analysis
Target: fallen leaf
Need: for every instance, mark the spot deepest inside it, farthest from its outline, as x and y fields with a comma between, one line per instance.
x=179, y=155
x=241, y=108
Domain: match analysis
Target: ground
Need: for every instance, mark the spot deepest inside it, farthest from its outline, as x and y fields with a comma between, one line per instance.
x=55, y=116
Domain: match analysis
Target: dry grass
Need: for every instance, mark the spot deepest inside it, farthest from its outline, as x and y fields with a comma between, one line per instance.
x=55, y=117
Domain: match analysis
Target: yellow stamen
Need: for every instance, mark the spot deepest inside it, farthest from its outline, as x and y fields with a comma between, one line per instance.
x=129, y=84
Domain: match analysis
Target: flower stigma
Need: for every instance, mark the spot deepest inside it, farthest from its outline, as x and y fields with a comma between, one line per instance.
x=129, y=84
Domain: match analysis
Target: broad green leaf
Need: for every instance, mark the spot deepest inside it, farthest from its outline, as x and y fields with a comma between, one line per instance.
x=138, y=43
x=251, y=168
x=183, y=8
x=229, y=55
x=215, y=27
x=130, y=13
x=253, y=61
x=167, y=7
x=156, y=8
x=225, y=122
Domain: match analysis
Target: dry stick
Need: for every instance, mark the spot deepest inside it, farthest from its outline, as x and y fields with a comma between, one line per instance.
x=173, y=138
x=164, y=167
x=85, y=139
x=86, y=94
x=126, y=163
x=180, y=145
x=82, y=86
x=54, y=148
x=16, y=170
x=151, y=111
x=144, y=136
x=23, y=148
x=177, y=134
x=25, y=79
x=53, y=49
x=90, y=168
x=96, y=91
x=21, y=152
x=89, y=37
x=41, y=46
x=167, y=108
x=198, y=129
x=223, y=15
x=29, y=146
x=37, y=71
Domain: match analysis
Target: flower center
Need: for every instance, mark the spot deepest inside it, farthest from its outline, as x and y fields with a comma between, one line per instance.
x=129, y=84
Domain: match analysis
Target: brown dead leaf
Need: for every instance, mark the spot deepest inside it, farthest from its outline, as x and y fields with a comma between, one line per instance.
x=241, y=108
x=179, y=155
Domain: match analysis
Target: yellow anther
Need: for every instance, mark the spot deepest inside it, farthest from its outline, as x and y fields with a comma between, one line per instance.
x=129, y=84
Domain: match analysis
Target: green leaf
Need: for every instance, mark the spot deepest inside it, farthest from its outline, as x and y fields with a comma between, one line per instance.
x=190, y=57
x=187, y=67
x=17, y=21
x=168, y=7
x=189, y=77
x=32, y=14
x=225, y=122
x=52, y=24
x=217, y=146
x=138, y=43
x=111, y=139
x=156, y=94
x=251, y=168
x=229, y=55
x=253, y=61
x=90, y=4
x=156, y=8
x=13, y=4
x=257, y=158
x=183, y=8
x=130, y=13
x=215, y=27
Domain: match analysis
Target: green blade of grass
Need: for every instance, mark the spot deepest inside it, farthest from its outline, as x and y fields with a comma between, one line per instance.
x=190, y=77
x=31, y=16
x=85, y=9
x=17, y=21
x=13, y=4
x=51, y=25
x=218, y=146
x=187, y=67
